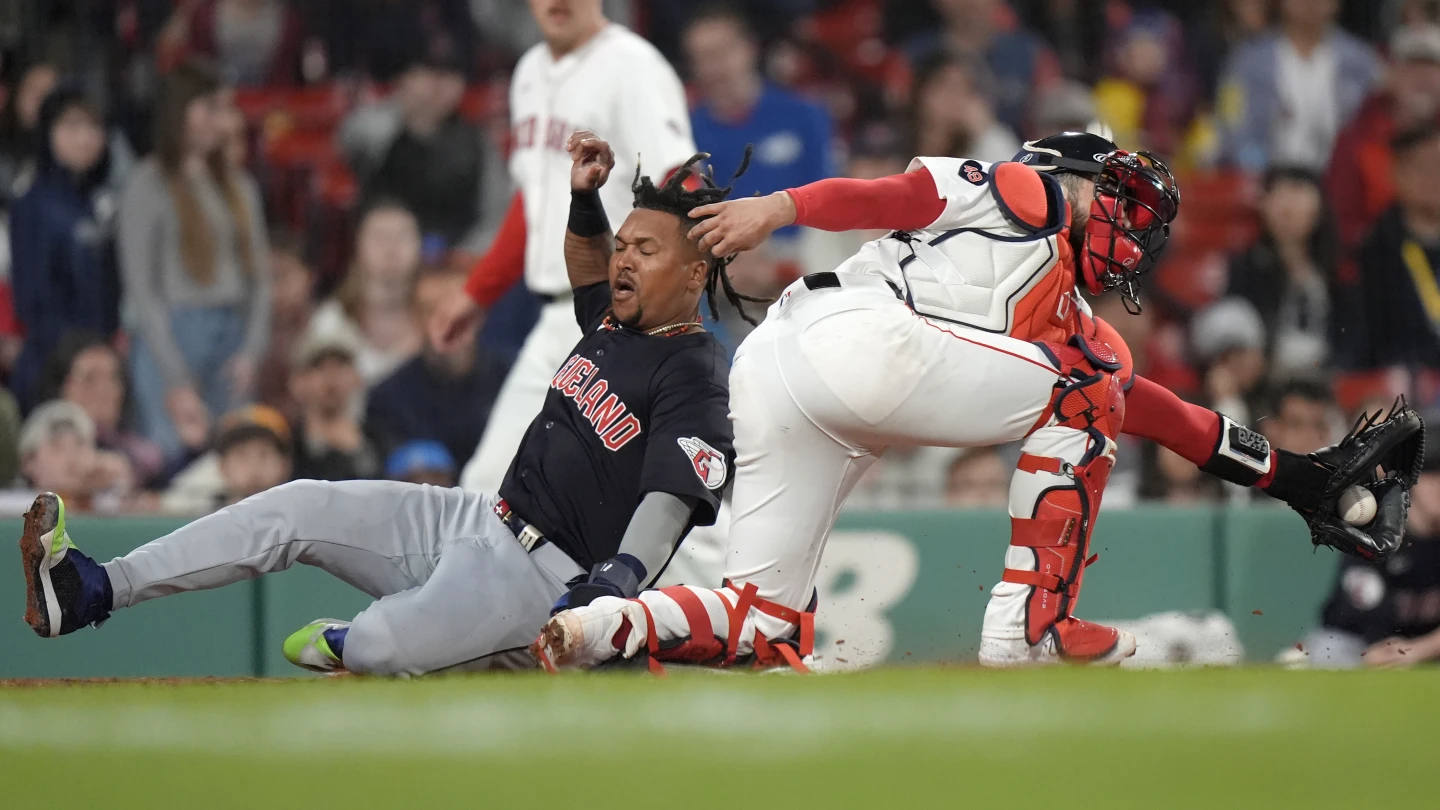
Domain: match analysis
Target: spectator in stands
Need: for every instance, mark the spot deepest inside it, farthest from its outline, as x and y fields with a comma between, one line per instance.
x=9, y=440
x=255, y=42
x=978, y=478
x=1287, y=94
x=193, y=253
x=1225, y=26
x=1359, y=178
x=1020, y=62
x=292, y=304
x=1303, y=418
x=61, y=247
x=422, y=462
x=252, y=454
x=1173, y=480
x=1387, y=614
x=905, y=478
x=417, y=149
x=951, y=114
x=1066, y=106
x=57, y=454
x=330, y=444
x=18, y=125
x=441, y=396
x=379, y=39
x=1076, y=30
x=1287, y=274
x=1394, y=320
x=1148, y=97
x=374, y=300
x=85, y=369
x=1228, y=341
x=736, y=106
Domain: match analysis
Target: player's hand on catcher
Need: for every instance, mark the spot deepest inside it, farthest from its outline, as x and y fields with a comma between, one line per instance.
x=593, y=159
x=737, y=225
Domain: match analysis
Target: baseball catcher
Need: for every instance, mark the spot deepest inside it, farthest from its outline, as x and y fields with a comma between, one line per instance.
x=963, y=326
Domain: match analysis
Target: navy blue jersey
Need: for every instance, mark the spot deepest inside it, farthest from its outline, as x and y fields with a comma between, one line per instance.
x=627, y=414
x=1399, y=596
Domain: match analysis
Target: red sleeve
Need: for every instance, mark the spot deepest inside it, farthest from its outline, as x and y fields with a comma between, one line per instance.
x=504, y=263
x=1154, y=412
x=900, y=202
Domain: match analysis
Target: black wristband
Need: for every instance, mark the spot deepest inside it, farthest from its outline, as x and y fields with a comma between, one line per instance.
x=587, y=215
x=1241, y=456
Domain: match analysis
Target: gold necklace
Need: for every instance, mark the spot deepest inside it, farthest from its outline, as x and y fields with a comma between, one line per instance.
x=661, y=330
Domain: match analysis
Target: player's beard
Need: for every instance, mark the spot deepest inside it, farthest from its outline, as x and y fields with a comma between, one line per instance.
x=634, y=321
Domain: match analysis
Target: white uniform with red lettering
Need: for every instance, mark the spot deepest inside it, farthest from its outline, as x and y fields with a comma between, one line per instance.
x=618, y=86
x=913, y=347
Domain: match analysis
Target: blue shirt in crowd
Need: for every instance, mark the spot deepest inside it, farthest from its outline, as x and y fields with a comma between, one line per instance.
x=793, y=141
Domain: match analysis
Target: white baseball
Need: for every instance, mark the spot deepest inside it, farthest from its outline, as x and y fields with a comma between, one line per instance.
x=1357, y=506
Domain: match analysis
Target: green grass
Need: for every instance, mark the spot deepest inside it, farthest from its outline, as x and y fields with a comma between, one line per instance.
x=912, y=738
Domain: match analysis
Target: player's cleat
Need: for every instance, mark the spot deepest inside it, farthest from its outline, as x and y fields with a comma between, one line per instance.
x=1071, y=640
x=588, y=636
x=318, y=646
x=64, y=589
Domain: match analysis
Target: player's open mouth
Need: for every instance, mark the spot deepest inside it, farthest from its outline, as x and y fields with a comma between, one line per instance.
x=624, y=288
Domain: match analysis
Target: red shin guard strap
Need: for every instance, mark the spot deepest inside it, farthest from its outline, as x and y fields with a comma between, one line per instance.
x=1041, y=532
x=1032, y=464
x=1035, y=579
x=1048, y=582
x=702, y=645
x=652, y=642
x=737, y=618
x=765, y=652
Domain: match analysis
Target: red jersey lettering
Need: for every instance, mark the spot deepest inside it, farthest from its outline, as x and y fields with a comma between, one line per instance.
x=579, y=380
x=627, y=429
x=591, y=397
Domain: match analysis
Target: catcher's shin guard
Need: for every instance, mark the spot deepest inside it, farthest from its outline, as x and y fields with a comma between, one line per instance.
x=1063, y=469
x=728, y=627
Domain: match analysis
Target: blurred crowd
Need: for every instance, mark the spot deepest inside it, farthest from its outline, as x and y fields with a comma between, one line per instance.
x=227, y=220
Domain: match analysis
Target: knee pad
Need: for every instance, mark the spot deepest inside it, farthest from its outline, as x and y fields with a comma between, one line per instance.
x=1089, y=395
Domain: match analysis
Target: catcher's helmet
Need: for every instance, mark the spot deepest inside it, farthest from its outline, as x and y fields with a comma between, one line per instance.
x=1135, y=201
x=1069, y=152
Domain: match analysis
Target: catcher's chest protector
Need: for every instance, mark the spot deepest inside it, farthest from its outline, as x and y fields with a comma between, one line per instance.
x=983, y=263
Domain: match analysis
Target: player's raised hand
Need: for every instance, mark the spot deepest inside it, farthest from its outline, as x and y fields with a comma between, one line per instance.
x=593, y=159
x=736, y=225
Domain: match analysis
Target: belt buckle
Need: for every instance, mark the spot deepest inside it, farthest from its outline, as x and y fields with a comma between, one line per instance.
x=528, y=537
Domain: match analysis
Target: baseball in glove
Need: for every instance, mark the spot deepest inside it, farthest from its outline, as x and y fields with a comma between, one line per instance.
x=1382, y=455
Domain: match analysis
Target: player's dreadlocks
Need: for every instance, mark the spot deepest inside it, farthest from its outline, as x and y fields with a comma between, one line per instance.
x=673, y=198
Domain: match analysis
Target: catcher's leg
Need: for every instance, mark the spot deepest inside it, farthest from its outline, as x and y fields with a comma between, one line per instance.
x=1054, y=500
x=814, y=393
x=791, y=476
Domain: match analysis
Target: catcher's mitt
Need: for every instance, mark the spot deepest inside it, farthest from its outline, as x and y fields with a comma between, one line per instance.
x=1381, y=455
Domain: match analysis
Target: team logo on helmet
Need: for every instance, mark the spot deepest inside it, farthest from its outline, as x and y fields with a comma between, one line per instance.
x=973, y=174
x=709, y=464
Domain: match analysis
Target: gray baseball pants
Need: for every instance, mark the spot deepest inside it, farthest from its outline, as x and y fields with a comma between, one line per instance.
x=455, y=590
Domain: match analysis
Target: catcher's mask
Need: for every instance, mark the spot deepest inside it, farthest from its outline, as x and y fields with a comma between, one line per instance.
x=1135, y=201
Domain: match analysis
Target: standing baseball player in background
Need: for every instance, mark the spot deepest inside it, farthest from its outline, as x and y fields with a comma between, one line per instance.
x=631, y=448
x=588, y=74
x=913, y=342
